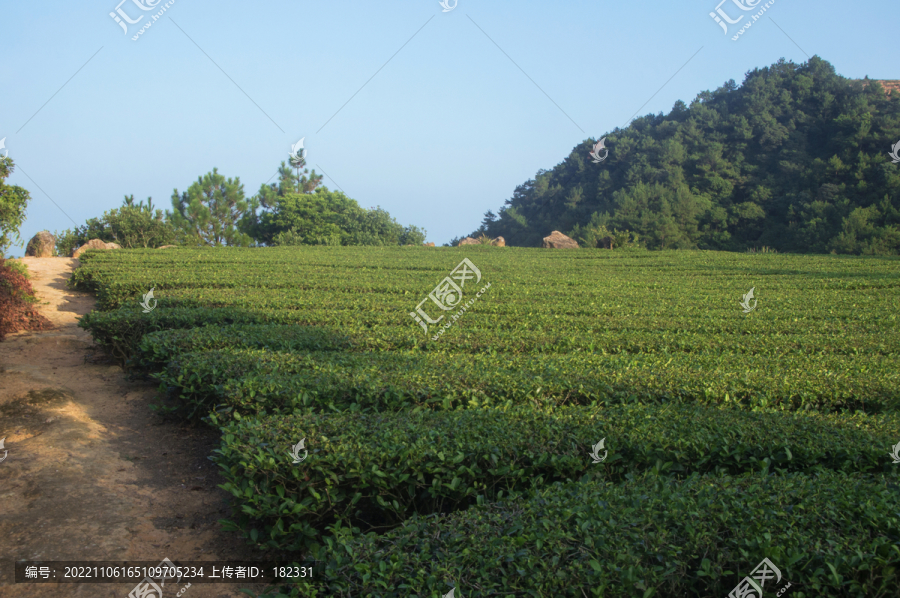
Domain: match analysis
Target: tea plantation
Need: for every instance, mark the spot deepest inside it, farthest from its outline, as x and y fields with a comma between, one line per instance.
x=463, y=458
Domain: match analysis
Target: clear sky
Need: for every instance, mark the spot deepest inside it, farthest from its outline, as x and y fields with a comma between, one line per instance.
x=434, y=116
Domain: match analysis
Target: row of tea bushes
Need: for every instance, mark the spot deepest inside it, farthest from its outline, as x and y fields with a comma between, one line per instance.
x=830, y=534
x=250, y=380
x=525, y=328
x=379, y=469
x=159, y=348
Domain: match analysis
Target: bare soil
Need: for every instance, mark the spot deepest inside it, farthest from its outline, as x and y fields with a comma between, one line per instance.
x=92, y=474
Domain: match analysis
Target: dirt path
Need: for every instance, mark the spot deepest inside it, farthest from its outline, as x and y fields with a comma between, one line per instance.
x=92, y=473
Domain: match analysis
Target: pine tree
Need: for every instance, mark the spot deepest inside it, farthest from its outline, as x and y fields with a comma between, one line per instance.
x=210, y=211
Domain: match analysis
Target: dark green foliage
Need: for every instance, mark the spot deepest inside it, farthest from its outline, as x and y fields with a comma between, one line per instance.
x=159, y=348
x=67, y=241
x=288, y=182
x=595, y=234
x=318, y=218
x=131, y=226
x=121, y=331
x=210, y=212
x=796, y=158
x=830, y=534
x=13, y=202
x=330, y=218
x=375, y=470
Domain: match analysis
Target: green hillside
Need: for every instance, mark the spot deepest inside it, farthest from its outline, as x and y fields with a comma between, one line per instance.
x=795, y=158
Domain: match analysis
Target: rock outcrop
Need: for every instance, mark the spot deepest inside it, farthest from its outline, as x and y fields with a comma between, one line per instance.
x=429, y=244
x=557, y=240
x=166, y=246
x=95, y=244
x=41, y=245
x=499, y=242
x=469, y=241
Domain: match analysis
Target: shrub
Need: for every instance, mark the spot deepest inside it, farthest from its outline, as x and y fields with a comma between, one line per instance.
x=19, y=267
x=288, y=238
x=67, y=241
x=17, y=311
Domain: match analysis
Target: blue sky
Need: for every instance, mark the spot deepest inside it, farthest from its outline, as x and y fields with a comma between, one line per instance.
x=434, y=116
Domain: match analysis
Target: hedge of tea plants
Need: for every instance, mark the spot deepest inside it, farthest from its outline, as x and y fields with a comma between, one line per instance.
x=256, y=379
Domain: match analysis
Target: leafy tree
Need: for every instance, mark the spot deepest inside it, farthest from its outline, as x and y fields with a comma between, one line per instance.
x=376, y=227
x=596, y=234
x=304, y=184
x=211, y=212
x=131, y=225
x=297, y=210
x=413, y=235
x=318, y=218
x=139, y=225
x=861, y=233
x=288, y=238
x=795, y=158
x=13, y=202
x=288, y=183
x=67, y=241
x=331, y=218
x=269, y=194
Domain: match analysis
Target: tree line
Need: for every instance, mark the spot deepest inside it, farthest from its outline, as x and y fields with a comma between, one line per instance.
x=215, y=211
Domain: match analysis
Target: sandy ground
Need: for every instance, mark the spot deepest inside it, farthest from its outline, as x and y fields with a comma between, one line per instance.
x=92, y=473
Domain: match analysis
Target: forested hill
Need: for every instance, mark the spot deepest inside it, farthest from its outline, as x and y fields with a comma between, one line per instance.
x=796, y=159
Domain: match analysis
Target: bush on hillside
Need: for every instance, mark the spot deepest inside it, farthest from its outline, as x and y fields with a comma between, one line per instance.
x=17, y=311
